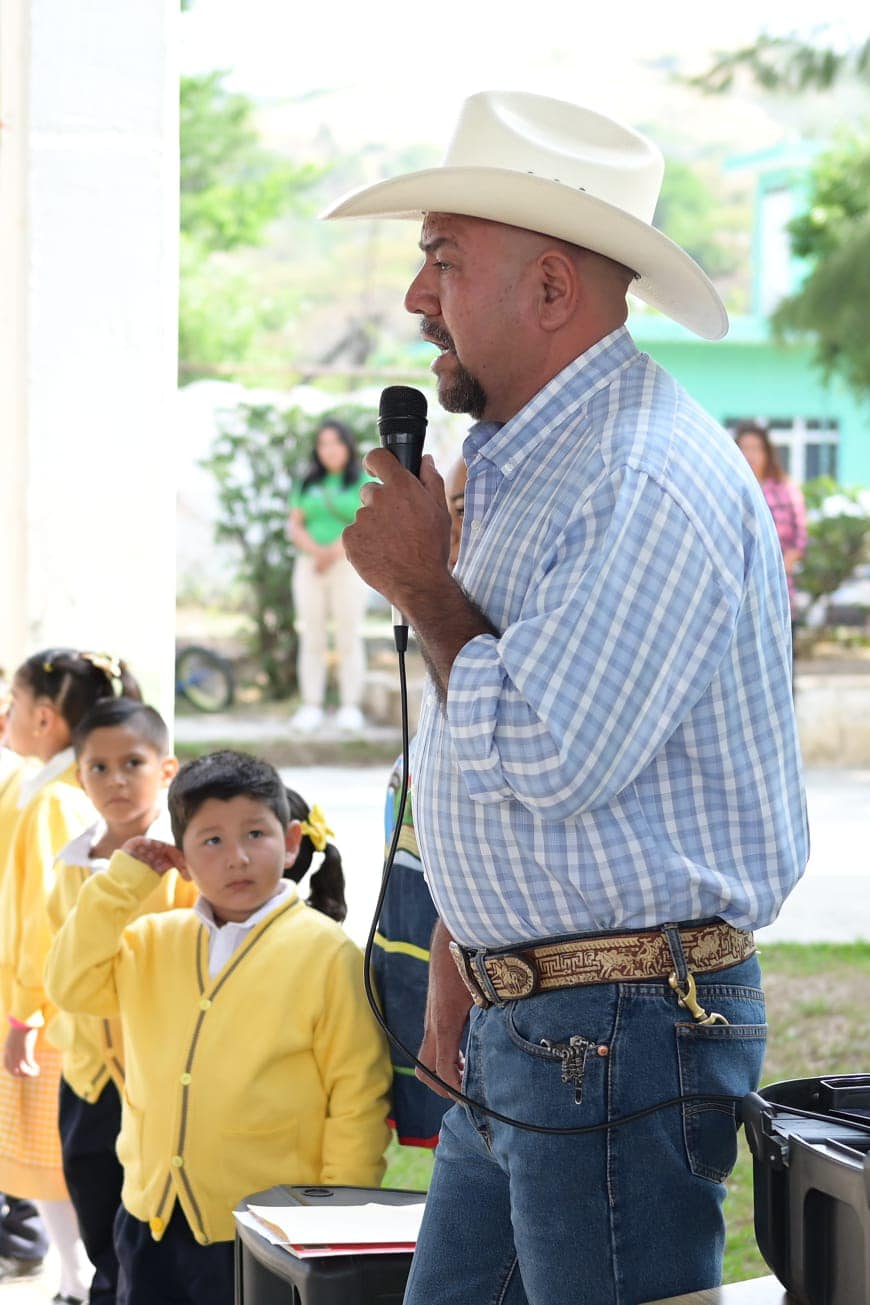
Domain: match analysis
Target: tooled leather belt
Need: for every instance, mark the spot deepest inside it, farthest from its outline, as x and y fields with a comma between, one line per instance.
x=511, y=973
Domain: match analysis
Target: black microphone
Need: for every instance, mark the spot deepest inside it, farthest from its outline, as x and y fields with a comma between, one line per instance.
x=402, y=427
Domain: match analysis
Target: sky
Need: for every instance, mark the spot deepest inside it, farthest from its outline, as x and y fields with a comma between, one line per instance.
x=398, y=71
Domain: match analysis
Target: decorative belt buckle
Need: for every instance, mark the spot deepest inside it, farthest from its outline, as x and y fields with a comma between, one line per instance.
x=513, y=977
x=462, y=964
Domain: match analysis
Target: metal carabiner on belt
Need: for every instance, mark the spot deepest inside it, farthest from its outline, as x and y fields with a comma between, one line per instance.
x=689, y=1000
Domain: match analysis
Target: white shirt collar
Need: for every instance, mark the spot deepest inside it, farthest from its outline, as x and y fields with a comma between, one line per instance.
x=225, y=939
x=53, y=769
x=78, y=850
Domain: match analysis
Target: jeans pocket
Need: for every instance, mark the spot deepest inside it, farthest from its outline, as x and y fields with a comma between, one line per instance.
x=722, y=1060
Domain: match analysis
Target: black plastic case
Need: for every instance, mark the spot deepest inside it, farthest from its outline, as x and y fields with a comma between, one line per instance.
x=810, y=1144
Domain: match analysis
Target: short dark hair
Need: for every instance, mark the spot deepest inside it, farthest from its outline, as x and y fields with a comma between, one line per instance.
x=108, y=712
x=224, y=775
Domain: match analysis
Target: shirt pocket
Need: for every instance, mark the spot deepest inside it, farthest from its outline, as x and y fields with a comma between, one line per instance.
x=722, y=1060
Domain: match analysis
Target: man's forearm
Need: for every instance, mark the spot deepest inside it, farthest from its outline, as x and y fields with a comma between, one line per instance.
x=444, y=620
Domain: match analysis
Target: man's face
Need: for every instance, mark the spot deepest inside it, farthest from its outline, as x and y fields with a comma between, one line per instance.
x=473, y=295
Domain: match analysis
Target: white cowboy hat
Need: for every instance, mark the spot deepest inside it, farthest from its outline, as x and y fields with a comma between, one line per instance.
x=549, y=166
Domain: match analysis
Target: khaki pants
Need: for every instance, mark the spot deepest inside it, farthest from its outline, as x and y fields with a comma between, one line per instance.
x=336, y=595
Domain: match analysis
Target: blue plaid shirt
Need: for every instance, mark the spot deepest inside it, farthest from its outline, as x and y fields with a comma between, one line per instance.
x=625, y=752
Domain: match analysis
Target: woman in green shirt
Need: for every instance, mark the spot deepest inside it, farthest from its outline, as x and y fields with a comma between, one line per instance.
x=325, y=586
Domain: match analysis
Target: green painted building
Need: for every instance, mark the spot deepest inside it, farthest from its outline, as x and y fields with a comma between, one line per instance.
x=820, y=428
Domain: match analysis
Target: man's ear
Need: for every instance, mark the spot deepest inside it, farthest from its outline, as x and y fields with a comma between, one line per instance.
x=559, y=289
x=168, y=770
x=291, y=843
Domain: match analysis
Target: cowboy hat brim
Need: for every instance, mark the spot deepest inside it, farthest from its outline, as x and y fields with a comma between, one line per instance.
x=667, y=278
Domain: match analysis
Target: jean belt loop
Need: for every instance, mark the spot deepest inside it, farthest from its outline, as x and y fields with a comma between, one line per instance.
x=477, y=961
x=678, y=956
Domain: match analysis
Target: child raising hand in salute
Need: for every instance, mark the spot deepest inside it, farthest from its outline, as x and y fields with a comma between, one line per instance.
x=252, y=1055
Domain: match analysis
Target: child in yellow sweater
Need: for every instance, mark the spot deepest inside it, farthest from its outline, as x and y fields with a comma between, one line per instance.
x=125, y=767
x=252, y=1057
x=23, y=1239
x=51, y=692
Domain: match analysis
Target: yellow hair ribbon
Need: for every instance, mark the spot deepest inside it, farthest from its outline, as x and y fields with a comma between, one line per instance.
x=317, y=829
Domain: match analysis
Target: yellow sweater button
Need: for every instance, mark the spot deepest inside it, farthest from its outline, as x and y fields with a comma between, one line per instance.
x=156, y=1225
x=178, y=1161
x=185, y=1079
x=204, y=1004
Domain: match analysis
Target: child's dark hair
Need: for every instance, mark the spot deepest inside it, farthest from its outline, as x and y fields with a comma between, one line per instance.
x=74, y=682
x=108, y=712
x=224, y=775
x=327, y=882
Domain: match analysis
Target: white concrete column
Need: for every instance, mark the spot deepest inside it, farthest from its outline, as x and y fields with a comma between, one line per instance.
x=88, y=270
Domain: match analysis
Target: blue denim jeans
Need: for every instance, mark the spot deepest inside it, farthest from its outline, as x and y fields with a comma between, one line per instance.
x=616, y=1217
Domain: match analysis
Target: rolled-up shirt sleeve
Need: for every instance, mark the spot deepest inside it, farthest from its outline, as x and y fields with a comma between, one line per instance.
x=618, y=639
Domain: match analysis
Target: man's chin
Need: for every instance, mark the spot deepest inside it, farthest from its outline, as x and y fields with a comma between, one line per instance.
x=462, y=393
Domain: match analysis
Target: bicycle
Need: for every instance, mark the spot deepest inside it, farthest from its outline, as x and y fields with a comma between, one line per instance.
x=204, y=678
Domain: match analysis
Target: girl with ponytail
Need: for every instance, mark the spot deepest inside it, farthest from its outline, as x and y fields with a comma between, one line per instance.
x=326, y=887
x=51, y=692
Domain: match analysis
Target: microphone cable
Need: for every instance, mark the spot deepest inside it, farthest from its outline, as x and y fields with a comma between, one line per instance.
x=709, y=1098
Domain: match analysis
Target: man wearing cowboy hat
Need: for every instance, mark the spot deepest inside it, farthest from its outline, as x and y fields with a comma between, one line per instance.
x=607, y=781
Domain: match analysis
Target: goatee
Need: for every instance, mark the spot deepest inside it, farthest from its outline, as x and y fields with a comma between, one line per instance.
x=462, y=392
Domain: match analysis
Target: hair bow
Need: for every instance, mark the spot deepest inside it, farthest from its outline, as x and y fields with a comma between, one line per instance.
x=110, y=666
x=317, y=829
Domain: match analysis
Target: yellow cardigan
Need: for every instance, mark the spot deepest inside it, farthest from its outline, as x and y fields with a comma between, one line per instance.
x=273, y=1072
x=12, y=771
x=44, y=825
x=93, y=1048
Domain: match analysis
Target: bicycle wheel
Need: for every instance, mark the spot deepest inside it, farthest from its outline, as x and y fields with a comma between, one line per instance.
x=204, y=678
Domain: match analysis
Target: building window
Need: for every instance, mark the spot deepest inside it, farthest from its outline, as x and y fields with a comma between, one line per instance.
x=807, y=447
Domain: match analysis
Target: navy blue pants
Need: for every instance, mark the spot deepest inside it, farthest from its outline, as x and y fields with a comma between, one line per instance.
x=174, y=1271
x=88, y=1132
x=22, y=1232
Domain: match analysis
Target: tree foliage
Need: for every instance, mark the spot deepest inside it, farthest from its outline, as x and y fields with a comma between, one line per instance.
x=232, y=189
x=833, y=236
x=838, y=536
x=786, y=63
x=259, y=452
x=693, y=215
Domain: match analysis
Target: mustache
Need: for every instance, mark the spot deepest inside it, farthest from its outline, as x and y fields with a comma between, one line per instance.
x=437, y=334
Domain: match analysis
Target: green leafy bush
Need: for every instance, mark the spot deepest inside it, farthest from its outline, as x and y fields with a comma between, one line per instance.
x=259, y=451
x=839, y=536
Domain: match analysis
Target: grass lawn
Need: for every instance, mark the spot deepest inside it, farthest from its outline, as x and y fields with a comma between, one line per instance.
x=818, y=1010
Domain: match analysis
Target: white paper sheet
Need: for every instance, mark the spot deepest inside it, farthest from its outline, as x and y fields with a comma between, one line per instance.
x=372, y=1224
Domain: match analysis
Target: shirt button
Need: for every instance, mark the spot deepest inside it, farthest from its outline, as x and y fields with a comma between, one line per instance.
x=475, y=525
x=185, y=1079
x=156, y=1225
x=204, y=1004
x=178, y=1161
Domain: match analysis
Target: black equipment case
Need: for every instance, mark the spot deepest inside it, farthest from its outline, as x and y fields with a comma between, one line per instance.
x=810, y=1144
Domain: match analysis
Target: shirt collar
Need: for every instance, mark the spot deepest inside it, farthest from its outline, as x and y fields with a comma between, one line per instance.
x=52, y=770
x=285, y=892
x=78, y=851
x=507, y=445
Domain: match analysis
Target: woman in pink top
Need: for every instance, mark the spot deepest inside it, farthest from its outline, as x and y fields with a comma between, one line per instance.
x=784, y=498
